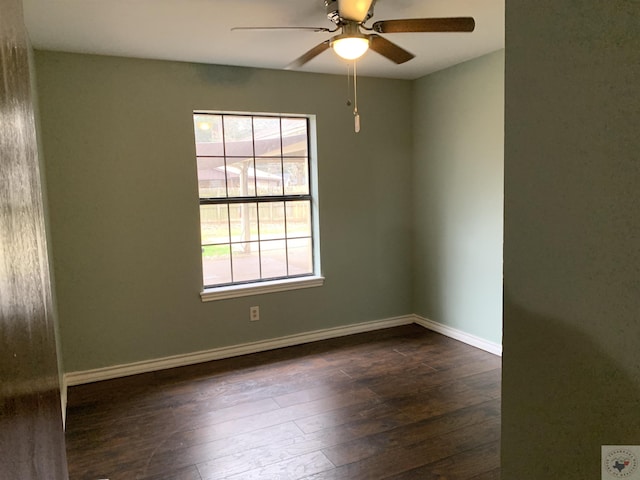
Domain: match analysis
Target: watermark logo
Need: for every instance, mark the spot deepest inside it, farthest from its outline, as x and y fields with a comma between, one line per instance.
x=620, y=461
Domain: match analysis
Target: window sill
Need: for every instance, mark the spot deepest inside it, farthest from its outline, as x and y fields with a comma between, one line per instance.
x=234, y=291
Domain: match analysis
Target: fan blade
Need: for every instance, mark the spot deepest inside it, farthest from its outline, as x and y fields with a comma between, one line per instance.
x=389, y=49
x=354, y=10
x=311, y=54
x=451, y=24
x=311, y=29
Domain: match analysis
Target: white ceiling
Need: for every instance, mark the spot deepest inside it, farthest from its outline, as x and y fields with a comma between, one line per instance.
x=200, y=31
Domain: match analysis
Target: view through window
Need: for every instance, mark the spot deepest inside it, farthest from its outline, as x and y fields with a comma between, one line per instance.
x=255, y=197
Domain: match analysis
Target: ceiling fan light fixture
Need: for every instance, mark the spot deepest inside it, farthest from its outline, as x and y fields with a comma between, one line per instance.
x=350, y=47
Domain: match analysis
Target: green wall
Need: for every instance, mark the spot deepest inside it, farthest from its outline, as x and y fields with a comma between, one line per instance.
x=458, y=195
x=571, y=364
x=124, y=212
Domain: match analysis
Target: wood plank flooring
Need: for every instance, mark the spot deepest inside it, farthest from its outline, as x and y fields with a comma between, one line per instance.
x=401, y=403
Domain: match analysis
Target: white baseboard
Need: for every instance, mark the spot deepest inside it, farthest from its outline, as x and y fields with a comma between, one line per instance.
x=116, y=371
x=456, y=334
x=106, y=373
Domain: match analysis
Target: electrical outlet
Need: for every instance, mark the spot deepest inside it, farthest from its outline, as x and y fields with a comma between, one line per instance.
x=254, y=313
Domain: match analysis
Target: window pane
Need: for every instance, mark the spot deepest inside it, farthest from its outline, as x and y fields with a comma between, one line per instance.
x=266, y=133
x=299, y=219
x=244, y=222
x=214, y=224
x=208, y=130
x=296, y=176
x=274, y=258
x=245, y=261
x=271, y=220
x=294, y=137
x=216, y=264
x=211, y=177
x=269, y=176
x=255, y=158
x=300, y=257
x=238, y=136
x=241, y=180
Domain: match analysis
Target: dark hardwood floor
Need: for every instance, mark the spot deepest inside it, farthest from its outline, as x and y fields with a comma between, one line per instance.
x=401, y=403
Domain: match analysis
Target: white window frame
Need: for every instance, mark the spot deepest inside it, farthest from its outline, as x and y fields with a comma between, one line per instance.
x=258, y=287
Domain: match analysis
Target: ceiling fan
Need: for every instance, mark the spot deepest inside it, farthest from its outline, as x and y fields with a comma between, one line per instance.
x=354, y=38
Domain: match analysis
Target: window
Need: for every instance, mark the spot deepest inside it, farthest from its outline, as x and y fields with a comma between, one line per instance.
x=258, y=220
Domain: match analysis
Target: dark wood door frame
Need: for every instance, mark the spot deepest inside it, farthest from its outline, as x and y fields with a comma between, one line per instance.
x=31, y=430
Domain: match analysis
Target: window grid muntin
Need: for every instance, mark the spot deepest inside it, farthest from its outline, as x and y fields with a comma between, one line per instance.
x=285, y=238
x=228, y=201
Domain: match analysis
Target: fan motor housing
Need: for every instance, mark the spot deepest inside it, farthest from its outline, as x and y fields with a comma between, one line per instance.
x=333, y=12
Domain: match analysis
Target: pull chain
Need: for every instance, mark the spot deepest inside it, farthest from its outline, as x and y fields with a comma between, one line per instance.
x=356, y=115
x=348, y=85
